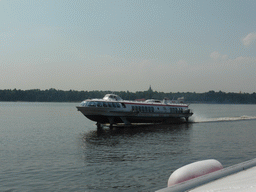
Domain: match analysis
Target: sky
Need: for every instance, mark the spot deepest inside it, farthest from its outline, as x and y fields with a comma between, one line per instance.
x=172, y=45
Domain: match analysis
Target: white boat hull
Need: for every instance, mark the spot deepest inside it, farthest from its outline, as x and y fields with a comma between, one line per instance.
x=112, y=110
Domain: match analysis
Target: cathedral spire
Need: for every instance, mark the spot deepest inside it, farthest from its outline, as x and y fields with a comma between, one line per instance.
x=150, y=92
x=150, y=89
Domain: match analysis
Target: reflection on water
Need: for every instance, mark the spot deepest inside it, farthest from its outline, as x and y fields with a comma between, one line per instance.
x=137, y=143
x=133, y=154
x=96, y=136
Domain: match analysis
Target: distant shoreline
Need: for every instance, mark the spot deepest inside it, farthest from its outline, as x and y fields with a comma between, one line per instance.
x=53, y=95
x=77, y=102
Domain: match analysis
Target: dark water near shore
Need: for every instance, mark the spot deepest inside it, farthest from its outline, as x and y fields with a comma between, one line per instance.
x=53, y=147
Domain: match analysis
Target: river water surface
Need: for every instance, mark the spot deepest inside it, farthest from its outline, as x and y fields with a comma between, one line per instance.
x=53, y=147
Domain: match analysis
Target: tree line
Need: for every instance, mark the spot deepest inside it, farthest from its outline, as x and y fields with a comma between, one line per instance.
x=53, y=95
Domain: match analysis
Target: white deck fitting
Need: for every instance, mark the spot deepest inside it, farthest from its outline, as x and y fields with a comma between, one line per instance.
x=240, y=177
x=241, y=181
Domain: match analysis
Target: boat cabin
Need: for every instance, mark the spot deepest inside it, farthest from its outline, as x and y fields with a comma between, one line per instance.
x=112, y=97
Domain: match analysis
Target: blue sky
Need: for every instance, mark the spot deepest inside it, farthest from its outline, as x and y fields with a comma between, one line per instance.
x=174, y=46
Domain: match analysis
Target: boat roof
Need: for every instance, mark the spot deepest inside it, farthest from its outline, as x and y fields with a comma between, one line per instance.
x=114, y=97
x=111, y=97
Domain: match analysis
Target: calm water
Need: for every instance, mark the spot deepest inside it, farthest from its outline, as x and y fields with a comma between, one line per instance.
x=53, y=147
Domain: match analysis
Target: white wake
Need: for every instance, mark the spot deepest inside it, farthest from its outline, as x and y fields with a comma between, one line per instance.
x=198, y=119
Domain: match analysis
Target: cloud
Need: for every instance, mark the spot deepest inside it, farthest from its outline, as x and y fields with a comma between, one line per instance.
x=182, y=62
x=223, y=60
x=244, y=61
x=217, y=55
x=249, y=39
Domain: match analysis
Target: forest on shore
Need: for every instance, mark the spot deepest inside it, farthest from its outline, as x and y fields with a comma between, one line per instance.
x=53, y=95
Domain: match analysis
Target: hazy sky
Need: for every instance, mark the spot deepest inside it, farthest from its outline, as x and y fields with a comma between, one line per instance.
x=128, y=45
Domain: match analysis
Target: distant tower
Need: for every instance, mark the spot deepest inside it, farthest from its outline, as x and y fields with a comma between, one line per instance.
x=150, y=89
x=150, y=92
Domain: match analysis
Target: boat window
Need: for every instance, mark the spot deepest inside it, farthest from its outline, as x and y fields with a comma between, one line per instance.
x=91, y=104
x=114, y=105
x=118, y=105
x=136, y=107
x=99, y=104
x=123, y=105
x=152, y=109
x=84, y=103
x=140, y=108
x=110, y=104
x=105, y=104
x=146, y=109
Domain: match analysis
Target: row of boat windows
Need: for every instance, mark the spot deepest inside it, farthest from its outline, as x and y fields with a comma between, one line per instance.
x=176, y=110
x=134, y=108
x=151, y=109
x=102, y=104
x=142, y=108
